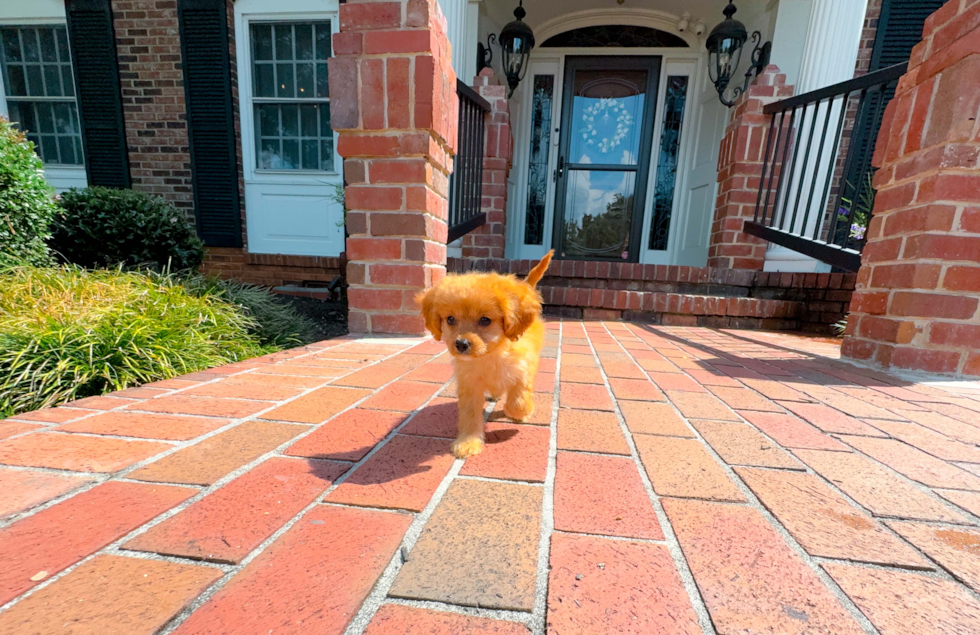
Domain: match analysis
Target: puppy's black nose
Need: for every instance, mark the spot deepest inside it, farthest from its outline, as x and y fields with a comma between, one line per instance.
x=462, y=346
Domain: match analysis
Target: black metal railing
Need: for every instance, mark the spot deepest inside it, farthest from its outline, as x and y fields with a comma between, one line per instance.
x=815, y=193
x=466, y=181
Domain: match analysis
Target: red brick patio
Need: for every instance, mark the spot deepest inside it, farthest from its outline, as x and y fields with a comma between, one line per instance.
x=673, y=480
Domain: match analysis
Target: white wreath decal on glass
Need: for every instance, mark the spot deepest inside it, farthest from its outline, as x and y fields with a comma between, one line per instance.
x=604, y=109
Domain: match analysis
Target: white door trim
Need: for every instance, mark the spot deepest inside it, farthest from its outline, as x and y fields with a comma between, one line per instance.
x=272, y=195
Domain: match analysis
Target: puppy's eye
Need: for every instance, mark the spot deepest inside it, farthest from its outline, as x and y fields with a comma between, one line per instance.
x=451, y=321
x=484, y=321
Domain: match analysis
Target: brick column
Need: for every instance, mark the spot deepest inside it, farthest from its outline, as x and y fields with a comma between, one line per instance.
x=917, y=303
x=488, y=241
x=740, y=162
x=394, y=105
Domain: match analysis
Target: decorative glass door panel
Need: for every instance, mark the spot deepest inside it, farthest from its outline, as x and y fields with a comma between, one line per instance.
x=604, y=156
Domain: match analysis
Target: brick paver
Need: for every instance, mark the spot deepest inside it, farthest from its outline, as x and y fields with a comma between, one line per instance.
x=755, y=464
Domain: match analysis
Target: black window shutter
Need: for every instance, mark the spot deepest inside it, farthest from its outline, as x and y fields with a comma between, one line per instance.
x=899, y=30
x=210, y=120
x=93, y=53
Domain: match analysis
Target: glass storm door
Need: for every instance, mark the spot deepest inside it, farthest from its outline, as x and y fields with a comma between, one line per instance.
x=604, y=156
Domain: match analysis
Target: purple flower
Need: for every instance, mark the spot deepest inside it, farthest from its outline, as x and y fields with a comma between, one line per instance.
x=857, y=232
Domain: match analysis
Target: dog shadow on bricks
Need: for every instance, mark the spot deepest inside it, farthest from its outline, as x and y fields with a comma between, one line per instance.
x=423, y=444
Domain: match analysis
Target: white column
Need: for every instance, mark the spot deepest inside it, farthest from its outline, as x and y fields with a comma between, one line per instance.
x=829, y=56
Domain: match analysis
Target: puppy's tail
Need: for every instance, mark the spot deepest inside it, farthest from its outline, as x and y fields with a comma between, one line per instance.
x=538, y=272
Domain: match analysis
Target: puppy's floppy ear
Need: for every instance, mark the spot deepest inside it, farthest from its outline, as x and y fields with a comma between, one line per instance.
x=520, y=309
x=427, y=300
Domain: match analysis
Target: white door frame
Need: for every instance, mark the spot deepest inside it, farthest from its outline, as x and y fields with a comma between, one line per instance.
x=296, y=192
x=675, y=61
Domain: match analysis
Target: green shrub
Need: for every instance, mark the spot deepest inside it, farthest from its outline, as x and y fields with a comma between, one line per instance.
x=277, y=323
x=102, y=227
x=26, y=201
x=67, y=333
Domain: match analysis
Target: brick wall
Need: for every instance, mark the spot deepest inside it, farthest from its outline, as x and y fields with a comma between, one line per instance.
x=148, y=48
x=273, y=270
x=917, y=303
x=740, y=162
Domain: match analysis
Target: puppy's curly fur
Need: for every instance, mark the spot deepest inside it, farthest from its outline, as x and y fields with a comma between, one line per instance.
x=492, y=326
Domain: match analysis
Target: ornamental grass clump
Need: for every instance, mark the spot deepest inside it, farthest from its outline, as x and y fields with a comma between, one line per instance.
x=67, y=333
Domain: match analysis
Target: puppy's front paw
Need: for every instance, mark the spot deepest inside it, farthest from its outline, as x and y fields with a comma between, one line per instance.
x=520, y=409
x=469, y=446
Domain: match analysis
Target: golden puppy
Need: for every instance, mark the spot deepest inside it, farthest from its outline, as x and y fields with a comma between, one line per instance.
x=492, y=326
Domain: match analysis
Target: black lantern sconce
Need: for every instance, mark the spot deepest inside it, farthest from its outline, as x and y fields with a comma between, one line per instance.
x=516, y=41
x=724, y=45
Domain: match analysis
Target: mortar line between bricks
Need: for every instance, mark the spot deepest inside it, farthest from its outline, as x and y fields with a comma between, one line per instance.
x=755, y=503
x=208, y=593
x=673, y=545
x=493, y=479
x=113, y=547
x=539, y=612
x=932, y=495
x=491, y=614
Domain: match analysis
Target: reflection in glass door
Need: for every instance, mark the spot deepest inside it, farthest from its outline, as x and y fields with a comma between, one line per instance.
x=604, y=156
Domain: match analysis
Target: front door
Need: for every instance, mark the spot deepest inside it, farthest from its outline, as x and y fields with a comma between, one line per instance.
x=604, y=156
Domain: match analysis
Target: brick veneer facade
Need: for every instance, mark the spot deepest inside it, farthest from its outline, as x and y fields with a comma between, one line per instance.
x=917, y=304
x=152, y=83
x=394, y=107
x=740, y=162
x=488, y=240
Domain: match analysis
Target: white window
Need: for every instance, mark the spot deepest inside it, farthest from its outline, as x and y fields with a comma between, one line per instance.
x=290, y=95
x=39, y=90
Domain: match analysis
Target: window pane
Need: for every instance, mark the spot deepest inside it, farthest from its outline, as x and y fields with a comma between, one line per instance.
x=62, y=118
x=11, y=46
x=310, y=159
x=290, y=120
x=49, y=52
x=261, y=42
x=45, y=118
x=325, y=121
x=67, y=81
x=67, y=149
x=64, y=54
x=28, y=40
x=16, y=82
x=326, y=155
x=304, y=41
x=304, y=80
x=265, y=80
x=52, y=80
x=35, y=80
x=670, y=140
x=323, y=40
x=284, y=42
x=269, y=120
x=269, y=152
x=290, y=154
x=49, y=149
x=308, y=114
x=284, y=75
x=322, y=85
x=537, y=177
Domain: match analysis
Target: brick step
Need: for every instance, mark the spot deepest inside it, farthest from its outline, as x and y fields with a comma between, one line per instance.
x=673, y=308
x=806, y=301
